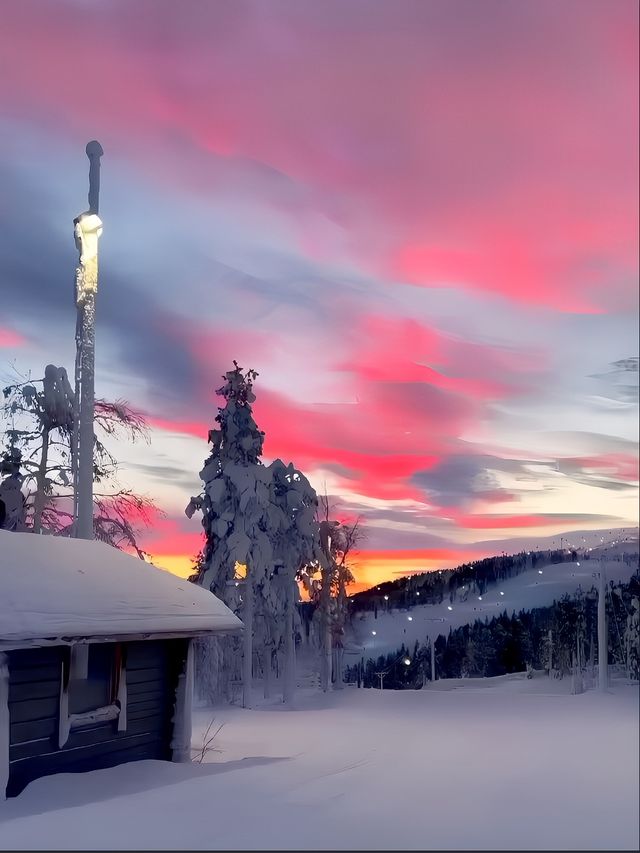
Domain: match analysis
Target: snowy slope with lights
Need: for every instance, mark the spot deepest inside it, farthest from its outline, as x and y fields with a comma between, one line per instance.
x=476, y=764
x=371, y=637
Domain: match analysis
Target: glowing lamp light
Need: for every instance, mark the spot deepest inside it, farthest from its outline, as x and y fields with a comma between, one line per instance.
x=502, y=593
x=417, y=593
x=449, y=607
x=479, y=598
x=539, y=571
x=406, y=662
x=374, y=633
x=577, y=564
x=410, y=618
x=386, y=598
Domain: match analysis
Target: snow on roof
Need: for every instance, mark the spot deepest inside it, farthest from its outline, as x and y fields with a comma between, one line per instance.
x=54, y=587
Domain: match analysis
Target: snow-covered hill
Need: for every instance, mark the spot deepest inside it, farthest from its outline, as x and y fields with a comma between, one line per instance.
x=370, y=637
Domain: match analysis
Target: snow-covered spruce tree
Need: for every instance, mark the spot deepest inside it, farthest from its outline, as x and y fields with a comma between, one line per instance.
x=233, y=504
x=293, y=532
x=258, y=529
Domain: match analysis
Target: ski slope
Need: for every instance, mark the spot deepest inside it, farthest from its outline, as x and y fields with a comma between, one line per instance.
x=370, y=637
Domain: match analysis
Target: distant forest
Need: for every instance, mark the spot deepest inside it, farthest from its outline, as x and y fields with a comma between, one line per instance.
x=555, y=638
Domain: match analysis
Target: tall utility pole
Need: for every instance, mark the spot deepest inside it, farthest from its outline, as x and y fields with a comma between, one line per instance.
x=87, y=231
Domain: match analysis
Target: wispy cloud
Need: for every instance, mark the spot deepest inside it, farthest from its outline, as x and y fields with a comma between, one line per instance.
x=417, y=220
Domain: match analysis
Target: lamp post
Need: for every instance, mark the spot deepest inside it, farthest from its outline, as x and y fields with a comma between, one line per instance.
x=87, y=231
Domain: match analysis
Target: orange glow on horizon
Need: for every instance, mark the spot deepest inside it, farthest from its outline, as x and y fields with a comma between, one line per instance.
x=180, y=565
x=374, y=567
x=370, y=567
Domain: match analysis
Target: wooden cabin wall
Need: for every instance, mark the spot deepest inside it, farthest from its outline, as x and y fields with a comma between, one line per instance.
x=152, y=669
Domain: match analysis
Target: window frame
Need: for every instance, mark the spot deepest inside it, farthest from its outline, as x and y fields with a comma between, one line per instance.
x=116, y=709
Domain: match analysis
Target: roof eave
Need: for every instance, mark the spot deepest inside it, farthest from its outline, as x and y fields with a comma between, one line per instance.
x=40, y=642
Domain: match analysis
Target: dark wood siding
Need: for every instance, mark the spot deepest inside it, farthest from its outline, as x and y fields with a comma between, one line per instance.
x=34, y=685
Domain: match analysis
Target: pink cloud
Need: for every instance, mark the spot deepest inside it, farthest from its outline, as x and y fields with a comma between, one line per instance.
x=491, y=149
x=169, y=538
x=495, y=522
x=404, y=350
x=620, y=466
x=10, y=339
x=402, y=415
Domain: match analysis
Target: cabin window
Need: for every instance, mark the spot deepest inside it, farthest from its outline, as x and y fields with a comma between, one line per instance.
x=91, y=677
x=94, y=688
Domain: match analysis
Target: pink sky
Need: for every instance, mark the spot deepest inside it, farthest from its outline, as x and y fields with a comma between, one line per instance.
x=417, y=220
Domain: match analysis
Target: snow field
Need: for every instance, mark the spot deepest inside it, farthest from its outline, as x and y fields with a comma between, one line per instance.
x=479, y=764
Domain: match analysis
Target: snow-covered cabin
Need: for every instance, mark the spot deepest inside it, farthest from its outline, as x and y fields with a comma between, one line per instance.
x=96, y=660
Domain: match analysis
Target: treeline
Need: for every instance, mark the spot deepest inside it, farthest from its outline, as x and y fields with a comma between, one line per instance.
x=455, y=584
x=556, y=638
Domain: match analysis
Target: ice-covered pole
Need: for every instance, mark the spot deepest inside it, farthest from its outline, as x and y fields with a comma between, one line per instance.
x=87, y=231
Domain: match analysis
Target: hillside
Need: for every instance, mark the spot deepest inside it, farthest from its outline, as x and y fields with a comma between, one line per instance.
x=378, y=633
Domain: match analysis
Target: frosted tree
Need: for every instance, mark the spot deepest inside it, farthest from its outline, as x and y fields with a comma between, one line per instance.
x=234, y=502
x=329, y=591
x=39, y=432
x=12, y=499
x=296, y=545
x=344, y=540
x=259, y=532
x=632, y=636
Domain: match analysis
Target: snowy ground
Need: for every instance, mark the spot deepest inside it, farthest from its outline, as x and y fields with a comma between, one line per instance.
x=487, y=764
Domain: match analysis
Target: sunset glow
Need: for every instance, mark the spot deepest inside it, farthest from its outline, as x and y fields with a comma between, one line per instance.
x=417, y=220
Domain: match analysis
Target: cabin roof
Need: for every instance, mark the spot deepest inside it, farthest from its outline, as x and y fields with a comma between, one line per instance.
x=54, y=587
